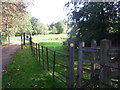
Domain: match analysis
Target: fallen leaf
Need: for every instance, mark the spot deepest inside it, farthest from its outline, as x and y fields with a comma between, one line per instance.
x=39, y=78
x=8, y=83
x=18, y=69
x=35, y=86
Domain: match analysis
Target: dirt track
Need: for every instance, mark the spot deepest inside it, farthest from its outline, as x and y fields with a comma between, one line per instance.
x=8, y=52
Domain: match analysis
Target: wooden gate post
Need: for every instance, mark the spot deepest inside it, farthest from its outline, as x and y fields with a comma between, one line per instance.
x=70, y=66
x=80, y=66
x=105, y=59
x=93, y=54
x=119, y=75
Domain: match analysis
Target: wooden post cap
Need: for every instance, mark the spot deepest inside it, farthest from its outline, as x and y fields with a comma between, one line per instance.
x=71, y=45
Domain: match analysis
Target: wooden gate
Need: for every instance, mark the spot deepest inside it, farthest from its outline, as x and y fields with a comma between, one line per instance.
x=98, y=67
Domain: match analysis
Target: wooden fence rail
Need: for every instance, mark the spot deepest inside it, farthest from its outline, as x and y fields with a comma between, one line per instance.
x=105, y=64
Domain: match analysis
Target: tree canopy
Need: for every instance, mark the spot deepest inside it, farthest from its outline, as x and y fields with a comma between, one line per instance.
x=58, y=27
x=94, y=20
x=14, y=18
x=38, y=27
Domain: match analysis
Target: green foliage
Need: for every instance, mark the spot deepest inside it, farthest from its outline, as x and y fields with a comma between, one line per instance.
x=38, y=27
x=35, y=25
x=25, y=25
x=43, y=29
x=61, y=27
x=58, y=27
x=11, y=15
x=52, y=28
x=94, y=20
x=14, y=19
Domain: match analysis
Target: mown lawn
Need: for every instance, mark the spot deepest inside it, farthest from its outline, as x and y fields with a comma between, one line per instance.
x=50, y=38
x=25, y=72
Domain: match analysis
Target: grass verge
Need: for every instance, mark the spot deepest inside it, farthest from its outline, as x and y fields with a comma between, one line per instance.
x=25, y=72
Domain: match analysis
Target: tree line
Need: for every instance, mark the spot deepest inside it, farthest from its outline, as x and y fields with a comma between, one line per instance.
x=17, y=20
x=54, y=28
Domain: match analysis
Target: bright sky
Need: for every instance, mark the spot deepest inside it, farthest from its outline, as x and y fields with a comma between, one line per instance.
x=48, y=11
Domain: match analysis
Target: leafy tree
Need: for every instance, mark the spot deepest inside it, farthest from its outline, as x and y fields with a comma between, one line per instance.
x=58, y=27
x=13, y=16
x=61, y=27
x=35, y=25
x=94, y=20
x=38, y=27
x=25, y=25
x=10, y=17
x=43, y=29
x=53, y=28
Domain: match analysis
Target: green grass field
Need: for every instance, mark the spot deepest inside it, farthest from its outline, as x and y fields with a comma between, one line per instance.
x=52, y=42
x=43, y=38
x=25, y=72
x=50, y=38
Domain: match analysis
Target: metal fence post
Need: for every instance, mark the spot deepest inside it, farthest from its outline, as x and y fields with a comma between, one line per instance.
x=54, y=63
x=43, y=56
x=38, y=53
x=30, y=40
x=21, y=42
x=47, y=58
x=23, y=38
